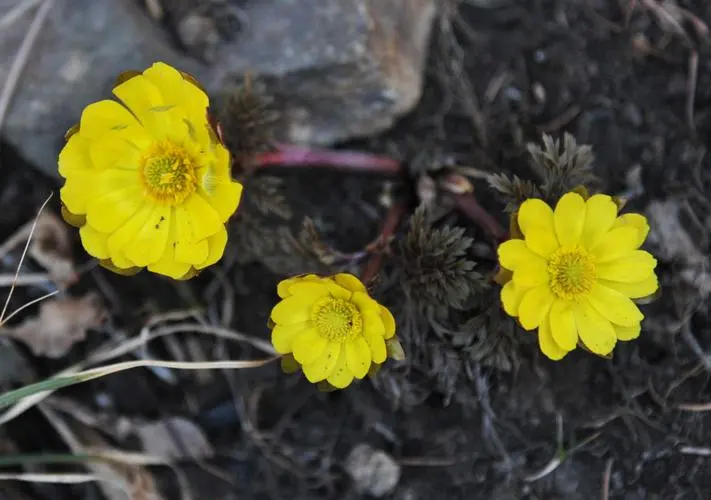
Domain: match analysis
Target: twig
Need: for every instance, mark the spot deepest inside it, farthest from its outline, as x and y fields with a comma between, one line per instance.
x=18, y=64
x=606, y=479
x=694, y=406
x=24, y=280
x=392, y=220
x=561, y=120
x=695, y=450
x=694, y=345
x=691, y=89
x=297, y=156
x=469, y=206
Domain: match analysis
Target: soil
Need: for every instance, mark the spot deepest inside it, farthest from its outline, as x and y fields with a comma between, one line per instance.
x=500, y=73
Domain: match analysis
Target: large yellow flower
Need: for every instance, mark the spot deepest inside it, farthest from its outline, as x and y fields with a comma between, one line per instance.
x=149, y=184
x=333, y=328
x=575, y=273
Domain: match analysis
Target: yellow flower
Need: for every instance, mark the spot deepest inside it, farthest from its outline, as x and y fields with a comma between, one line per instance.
x=149, y=184
x=331, y=326
x=575, y=272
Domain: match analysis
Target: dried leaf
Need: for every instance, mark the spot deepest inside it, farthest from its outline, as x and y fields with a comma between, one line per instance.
x=174, y=438
x=60, y=324
x=51, y=248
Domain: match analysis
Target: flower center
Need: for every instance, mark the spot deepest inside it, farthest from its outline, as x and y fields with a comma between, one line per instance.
x=572, y=272
x=168, y=172
x=338, y=320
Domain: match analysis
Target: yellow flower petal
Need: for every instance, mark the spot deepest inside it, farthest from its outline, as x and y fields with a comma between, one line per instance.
x=188, y=248
x=283, y=288
x=109, y=212
x=546, y=343
x=542, y=241
x=310, y=290
x=169, y=266
x=535, y=213
x=511, y=295
x=637, y=221
x=76, y=193
x=635, y=289
x=113, y=151
x=388, y=321
x=616, y=243
x=569, y=217
x=633, y=267
x=562, y=325
x=322, y=368
x=283, y=336
x=358, y=357
x=124, y=236
x=74, y=156
x=151, y=240
x=140, y=95
x=376, y=343
x=291, y=310
x=341, y=376
x=364, y=302
x=532, y=273
x=535, y=306
x=600, y=214
x=373, y=323
x=216, y=248
x=204, y=221
x=176, y=90
x=103, y=116
x=614, y=306
x=224, y=197
x=350, y=282
x=308, y=345
x=94, y=242
x=626, y=333
x=513, y=253
x=596, y=332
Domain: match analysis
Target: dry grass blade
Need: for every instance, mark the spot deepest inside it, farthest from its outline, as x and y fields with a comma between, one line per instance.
x=106, y=354
x=50, y=385
x=22, y=259
x=54, y=478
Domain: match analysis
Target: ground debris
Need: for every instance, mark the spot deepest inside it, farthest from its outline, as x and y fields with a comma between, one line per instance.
x=60, y=324
x=373, y=471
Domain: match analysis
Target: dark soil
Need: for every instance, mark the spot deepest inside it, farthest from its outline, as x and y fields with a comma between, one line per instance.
x=498, y=77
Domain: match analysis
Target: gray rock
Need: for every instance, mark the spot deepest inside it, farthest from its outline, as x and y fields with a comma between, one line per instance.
x=337, y=69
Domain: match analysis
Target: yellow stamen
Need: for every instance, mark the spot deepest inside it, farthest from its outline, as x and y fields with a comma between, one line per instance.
x=572, y=272
x=168, y=172
x=337, y=320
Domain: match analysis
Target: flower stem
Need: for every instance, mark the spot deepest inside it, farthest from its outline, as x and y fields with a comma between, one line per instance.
x=469, y=206
x=288, y=155
x=375, y=262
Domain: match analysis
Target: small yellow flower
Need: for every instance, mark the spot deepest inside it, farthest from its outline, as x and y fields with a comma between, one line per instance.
x=331, y=326
x=149, y=184
x=575, y=272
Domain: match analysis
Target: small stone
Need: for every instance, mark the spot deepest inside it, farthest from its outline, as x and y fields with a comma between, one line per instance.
x=374, y=472
x=632, y=114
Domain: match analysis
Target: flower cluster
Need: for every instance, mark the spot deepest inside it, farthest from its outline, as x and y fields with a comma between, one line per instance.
x=149, y=183
x=332, y=327
x=575, y=272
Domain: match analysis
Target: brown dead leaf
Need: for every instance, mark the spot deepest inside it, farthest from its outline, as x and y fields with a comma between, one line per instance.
x=51, y=248
x=60, y=324
x=174, y=438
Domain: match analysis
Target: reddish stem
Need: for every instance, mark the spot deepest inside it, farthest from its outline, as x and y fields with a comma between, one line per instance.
x=375, y=262
x=470, y=207
x=297, y=156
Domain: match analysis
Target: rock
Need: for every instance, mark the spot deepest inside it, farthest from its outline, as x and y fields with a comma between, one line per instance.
x=337, y=69
x=374, y=472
